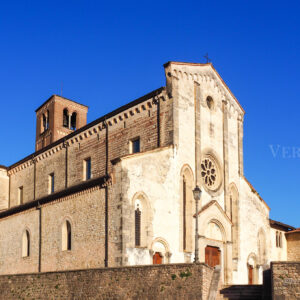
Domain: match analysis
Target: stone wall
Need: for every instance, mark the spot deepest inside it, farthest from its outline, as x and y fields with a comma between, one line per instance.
x=285, y=280
x=178, y=281
x=293, y=245
x=85, y=211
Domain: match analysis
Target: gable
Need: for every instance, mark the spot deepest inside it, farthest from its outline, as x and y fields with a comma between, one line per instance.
x=203, y=73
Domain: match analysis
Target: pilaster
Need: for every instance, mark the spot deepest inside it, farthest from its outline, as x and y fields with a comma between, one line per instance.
x=225, y=158
x=240, y=144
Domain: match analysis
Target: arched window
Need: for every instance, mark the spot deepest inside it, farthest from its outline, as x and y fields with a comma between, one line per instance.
x=66, y=118
x=25, y=244
x=280, y=240
x=73, y=121
x=277, y=239
x=184, y=211
x=47, y=120
x=138, y=214
x=142, y=231
x=66, y=235
x=44, y=122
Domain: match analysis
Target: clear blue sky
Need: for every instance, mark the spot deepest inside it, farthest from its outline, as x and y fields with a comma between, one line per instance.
x=109, y=53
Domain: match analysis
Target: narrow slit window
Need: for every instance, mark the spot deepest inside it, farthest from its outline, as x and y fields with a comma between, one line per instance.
x=26, y=244
x=66, y=236
x=66, y=118
x=47, y=120
x=69, y=236
x=184, y=213
x=20, y=195
x=51, y=184
x=73, y=121
x=280, y=240
x=44, y=122
x=137, y=227
x=135, y=145
x=87, y=169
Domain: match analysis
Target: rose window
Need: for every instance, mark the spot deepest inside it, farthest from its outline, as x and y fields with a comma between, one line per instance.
x=209, y=172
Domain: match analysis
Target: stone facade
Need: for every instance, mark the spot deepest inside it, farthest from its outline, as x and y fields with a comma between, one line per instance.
x=189, y=133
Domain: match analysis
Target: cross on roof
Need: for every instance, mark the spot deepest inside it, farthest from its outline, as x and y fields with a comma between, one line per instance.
x=208, y=60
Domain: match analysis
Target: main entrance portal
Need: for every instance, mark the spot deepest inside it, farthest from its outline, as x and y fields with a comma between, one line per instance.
x=212, y=256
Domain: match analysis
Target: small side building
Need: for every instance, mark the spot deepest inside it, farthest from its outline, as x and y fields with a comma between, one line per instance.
x=278, y=240
x=293, y=245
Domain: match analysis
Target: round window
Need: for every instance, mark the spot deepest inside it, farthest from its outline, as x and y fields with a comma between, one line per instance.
x=210, y=173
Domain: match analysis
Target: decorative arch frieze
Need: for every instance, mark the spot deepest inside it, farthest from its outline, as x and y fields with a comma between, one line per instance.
x=209, y=76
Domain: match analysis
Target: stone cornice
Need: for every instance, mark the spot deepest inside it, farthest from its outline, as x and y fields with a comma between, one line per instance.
x=256, y=193
x=139, y=154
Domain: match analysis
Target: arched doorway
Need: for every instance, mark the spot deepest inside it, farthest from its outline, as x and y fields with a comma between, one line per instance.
x=160, y=253
x=252, y=268
x=250, y=274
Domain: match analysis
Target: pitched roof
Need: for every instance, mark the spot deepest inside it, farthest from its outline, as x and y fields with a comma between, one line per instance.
x=213, y=202
x=60, y=97
x=293, y=231
x=281, y=226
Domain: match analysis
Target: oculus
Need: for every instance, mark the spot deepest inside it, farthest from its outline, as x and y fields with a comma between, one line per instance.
x=210, y=173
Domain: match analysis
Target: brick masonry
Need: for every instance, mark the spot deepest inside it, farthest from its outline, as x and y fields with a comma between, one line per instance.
x=285, y=280
x=139, y=121
x=176, y=281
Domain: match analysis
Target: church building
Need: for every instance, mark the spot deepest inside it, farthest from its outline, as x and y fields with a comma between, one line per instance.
x=119, y=191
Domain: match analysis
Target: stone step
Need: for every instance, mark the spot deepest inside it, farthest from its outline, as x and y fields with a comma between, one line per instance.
x=241, y=292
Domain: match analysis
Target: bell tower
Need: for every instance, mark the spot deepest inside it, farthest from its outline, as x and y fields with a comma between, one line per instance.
x=56, y=118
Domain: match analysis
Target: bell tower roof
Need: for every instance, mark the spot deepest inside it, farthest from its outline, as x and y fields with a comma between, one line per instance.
x=61, y=97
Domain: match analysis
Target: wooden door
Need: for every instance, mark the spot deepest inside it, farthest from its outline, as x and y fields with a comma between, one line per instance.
x=157, y=258
x=250, y=274
x=212, y=256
